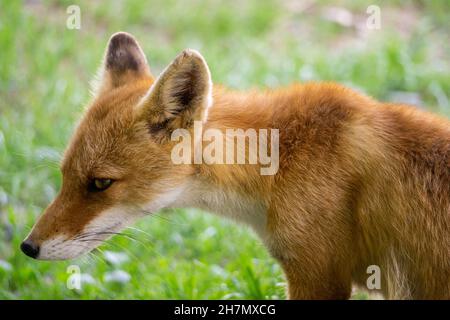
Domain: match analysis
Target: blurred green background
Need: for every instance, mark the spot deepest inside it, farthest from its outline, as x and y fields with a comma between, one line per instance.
x=45, y=70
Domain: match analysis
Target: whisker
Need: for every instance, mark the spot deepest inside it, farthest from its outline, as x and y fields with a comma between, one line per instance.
x=160, y=217
x=149, y=236
x=91, y=239
x=89, y=257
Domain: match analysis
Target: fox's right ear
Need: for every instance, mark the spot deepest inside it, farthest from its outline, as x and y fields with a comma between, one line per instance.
x=180, y=96
x=124, y=61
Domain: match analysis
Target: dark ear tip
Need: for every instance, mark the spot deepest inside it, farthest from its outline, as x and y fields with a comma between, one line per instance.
x=122, y=37
x=123, y=52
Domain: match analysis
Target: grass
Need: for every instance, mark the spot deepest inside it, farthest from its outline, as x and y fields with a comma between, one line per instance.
x=45, y=70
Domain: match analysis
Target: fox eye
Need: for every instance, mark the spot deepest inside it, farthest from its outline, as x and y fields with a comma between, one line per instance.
x=98, y=184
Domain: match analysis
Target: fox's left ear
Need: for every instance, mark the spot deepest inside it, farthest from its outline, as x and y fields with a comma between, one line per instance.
x=124, y=62
x=181, y=95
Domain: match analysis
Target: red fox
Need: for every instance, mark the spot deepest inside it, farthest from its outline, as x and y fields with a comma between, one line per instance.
x=358, y=182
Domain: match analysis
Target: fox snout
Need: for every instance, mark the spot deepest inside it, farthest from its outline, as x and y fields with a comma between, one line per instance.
x=53, y=231
x=30, y=248
x=66, y=232
x=31, y=245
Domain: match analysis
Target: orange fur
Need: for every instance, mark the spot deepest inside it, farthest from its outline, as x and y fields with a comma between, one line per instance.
x=360, y=182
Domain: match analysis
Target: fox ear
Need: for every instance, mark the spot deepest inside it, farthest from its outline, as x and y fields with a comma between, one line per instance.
x=124, y=62
x=181, y=95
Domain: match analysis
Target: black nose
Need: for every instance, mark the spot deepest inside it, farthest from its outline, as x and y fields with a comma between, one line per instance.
x=30, y=249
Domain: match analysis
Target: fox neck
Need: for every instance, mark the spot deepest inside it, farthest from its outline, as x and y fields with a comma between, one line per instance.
x=236, y=191
x=202, y=194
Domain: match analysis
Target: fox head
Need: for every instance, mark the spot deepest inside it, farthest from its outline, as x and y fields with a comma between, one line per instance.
x=117, y=166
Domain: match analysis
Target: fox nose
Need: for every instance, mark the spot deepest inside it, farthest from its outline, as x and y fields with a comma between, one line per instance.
x=30, y=249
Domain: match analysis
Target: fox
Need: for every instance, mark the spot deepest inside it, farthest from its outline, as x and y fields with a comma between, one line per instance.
x=359, y=182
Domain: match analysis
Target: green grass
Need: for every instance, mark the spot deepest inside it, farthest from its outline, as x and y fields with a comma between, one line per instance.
x=45, y=71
